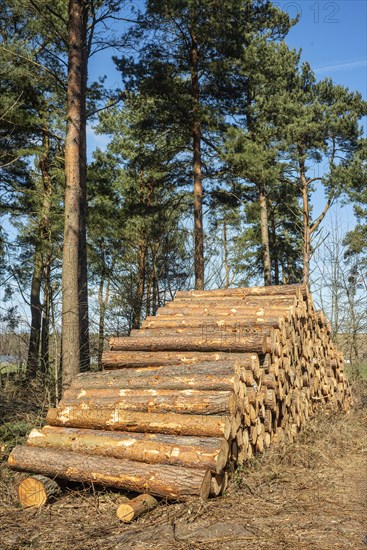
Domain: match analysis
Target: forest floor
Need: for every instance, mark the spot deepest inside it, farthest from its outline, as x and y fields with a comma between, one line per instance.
x=310, y=496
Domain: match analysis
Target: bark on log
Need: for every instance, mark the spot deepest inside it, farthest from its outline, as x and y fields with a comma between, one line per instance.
x=127, y=511
x=236, y=312
x=107, y=419
x=157, y=401
x=206, y=332
x=131, y=359
x=197, y=383
x=161, y=383
x=253, y=291
x=229, y=343
x=36, y=491
x=207, y=377
x=191, y=452
x=249, y=302
x=158, y=479
x=196, y=321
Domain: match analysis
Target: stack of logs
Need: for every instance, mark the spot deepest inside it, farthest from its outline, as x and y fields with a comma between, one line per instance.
x=216, y=377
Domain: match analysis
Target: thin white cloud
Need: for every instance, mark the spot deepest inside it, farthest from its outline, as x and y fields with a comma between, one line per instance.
x=341, y=67
x=96, y=140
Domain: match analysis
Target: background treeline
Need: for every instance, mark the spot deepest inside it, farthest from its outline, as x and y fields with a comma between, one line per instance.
x=218, y=138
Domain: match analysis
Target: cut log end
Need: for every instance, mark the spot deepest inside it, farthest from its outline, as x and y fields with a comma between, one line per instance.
x=218, y=484
x=127, y=511
x=206, y=485
x=36, y=491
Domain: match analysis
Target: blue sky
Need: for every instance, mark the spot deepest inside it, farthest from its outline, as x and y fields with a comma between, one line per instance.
x=333, y=38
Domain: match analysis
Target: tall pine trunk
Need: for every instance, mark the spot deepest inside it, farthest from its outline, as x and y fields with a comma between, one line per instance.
x=36, y=315
x=265, y=236
x=83, y=270
x=306, y=227
x=45, y=331
x=42, y=248
x=225, y=246
x=46, y=240
x=103, y=298
x=155, y=298
x=198, y=183
x=139, y=295
x=73, y=271
x=275, y=250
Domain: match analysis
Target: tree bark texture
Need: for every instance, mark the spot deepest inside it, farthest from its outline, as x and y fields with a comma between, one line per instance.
x=103, y=298
x=158, y=401
x=74, y=289
x=198, y=182
x=191, y=452
x=111, y=419
x=249, y=321
x=168, y=381
x=36, y=314
x=227, y=342
x=188, y=373
x=83, y=263
x=225, y=248
x=38, y=340
x=306, y=229
x=128, y=359
x=139, y=294
x=158, y=479
x=283, y=290
x=265, y=236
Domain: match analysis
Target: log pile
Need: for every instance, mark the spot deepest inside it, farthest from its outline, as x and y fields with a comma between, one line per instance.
x=215, y=378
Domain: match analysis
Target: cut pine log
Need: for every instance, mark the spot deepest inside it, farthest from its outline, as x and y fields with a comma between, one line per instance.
x=191, y=452
x=127, y=511
x=249, y=302
x=37, y=490
x=196, y=321
x=251, y=291
x=133, y=359
x=110, y=419
x=209, y=376
x=158, y=479
x=205, y=333
x=218, y=484
x=156, y=401
x=157, y=382
x=236, y=312
x=229, y=343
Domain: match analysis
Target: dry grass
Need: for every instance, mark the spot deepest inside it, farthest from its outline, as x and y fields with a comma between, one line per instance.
x=311, y=496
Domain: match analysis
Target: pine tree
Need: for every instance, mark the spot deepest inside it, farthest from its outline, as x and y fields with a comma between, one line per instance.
x=32, y=133
x=190, y=54
x=356, y=192
x=148, y=202
x=252, y=147
x=322, y=126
